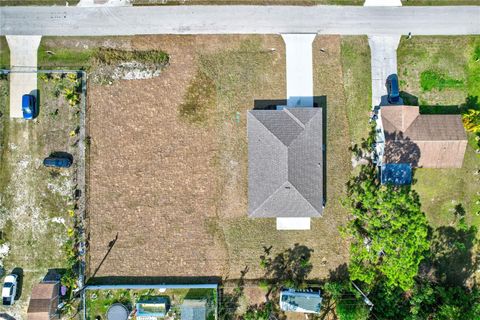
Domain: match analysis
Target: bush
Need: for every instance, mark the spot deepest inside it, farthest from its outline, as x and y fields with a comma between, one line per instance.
x=113, y=56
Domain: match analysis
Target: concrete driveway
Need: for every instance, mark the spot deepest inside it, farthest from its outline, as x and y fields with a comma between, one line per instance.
x=298, y=48
x=23, y=65
x=383, y=50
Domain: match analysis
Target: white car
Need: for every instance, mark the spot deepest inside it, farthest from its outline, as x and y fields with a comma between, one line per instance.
x=9, y=289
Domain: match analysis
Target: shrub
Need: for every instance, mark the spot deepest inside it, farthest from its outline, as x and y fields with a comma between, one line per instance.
x=114, y=56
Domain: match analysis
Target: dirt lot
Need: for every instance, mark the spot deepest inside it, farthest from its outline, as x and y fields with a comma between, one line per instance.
x=175, y=192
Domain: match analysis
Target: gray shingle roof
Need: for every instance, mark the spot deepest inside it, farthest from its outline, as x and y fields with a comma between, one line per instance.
x=285, y=162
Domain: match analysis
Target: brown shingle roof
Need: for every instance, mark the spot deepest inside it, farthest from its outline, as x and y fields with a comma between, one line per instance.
x=434, y=141
x=43, y=301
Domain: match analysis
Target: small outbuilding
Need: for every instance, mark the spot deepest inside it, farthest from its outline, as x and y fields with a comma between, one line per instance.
x=194, y=310
x=303, y=301
x=44, y=301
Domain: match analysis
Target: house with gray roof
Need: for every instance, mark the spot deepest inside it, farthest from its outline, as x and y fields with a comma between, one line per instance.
x=285, y=164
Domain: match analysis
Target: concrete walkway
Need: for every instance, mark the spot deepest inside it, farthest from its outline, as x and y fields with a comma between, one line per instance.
x=298, y=48
x=383, y=50
x=23, y=65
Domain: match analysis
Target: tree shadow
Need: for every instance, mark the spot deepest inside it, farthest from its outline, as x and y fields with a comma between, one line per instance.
x=400, y=149
x=409, y=99
x=289, y=268
x=340, y=273
x=229, y=301
x=339, y=276
x=451, y=252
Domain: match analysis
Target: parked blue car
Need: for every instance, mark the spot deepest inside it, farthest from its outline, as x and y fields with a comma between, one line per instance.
x=393, y=89
x=28, y=106
x=57, y=162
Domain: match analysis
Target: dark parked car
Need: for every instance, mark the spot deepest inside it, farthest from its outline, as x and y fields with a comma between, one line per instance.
x=28, y=106
x=57, y=161
x=392, y=89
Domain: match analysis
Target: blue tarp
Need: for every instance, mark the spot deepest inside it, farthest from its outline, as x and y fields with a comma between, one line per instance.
x=396, y=173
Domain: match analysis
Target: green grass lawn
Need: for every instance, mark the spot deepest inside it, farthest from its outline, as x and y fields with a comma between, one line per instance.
x=54, y=57
x=358, y=85
x=441, y=72
x=98, y=301
x=4, y=54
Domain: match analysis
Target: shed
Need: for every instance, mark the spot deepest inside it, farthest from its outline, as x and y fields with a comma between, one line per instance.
x=44, y=301
x=194, y=309
x=303, y=301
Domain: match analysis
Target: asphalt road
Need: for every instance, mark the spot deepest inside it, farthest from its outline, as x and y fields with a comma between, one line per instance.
x=81, y=21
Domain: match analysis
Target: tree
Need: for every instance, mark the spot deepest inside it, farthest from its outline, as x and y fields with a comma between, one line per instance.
x=262, y=312
x=471, y=121
x=389, y=231
x=439, y=302
x=349, y=304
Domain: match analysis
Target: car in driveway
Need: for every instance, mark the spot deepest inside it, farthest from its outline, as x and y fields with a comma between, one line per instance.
x=58, y=161
x=9, y=289
x=28, y=106
x=393, y=89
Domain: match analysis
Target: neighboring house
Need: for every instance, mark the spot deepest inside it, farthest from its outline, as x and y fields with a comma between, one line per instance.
x=285, y=165
x=44, y=301
x=304, y=301
x=193, y=310
x=419, y=140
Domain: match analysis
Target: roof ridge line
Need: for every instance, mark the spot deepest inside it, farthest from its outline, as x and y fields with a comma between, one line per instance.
x=311, y=205
x=271, y=195
x=295, y=118
x=269, y=132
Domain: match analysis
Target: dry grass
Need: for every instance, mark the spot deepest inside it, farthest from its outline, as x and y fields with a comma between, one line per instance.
x=176, y=192
x=34, y=200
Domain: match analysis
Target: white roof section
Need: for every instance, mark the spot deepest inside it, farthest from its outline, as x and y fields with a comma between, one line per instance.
x=293, y=223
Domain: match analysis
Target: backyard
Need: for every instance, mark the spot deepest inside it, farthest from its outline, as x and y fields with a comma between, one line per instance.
x=37, y=203
x=99, y=299
x=441, y=74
